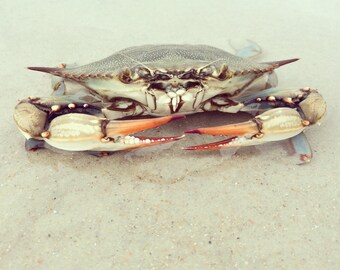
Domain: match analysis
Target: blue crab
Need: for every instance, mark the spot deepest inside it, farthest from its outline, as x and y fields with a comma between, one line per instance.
x=169, y=81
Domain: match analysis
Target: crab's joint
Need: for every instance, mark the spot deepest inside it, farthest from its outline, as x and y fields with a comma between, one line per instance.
x=104, y=123
x=259, y=126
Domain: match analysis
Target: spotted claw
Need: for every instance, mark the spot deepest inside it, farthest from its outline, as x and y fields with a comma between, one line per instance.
x=85, y=132
x=273, y=125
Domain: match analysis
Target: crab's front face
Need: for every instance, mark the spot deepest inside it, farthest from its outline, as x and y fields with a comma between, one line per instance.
x=184, y=90
x=173, y=89
x=178, y=87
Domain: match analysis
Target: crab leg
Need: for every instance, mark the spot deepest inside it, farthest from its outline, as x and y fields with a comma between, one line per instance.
x=245, y=48
x=273, y=125
x=301, y=147
x=58, y=84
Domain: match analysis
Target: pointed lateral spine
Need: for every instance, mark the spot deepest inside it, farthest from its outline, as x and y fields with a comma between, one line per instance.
x=64, y=74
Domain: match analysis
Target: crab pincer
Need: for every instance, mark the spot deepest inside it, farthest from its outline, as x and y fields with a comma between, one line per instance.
x=82, y=132
x=273, y=125
x=86, y=132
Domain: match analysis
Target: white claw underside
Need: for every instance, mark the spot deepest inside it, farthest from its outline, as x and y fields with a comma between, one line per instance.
x=122, y=143
x=81, y=132
x=277, y=124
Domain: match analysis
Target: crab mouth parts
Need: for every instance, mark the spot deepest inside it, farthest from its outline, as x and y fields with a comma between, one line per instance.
x=175, y=104
x=174, y=93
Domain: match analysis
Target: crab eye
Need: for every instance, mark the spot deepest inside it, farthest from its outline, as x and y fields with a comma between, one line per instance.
x=208, y=71
x=143, y=73
x=225, y=74
x=125, y=76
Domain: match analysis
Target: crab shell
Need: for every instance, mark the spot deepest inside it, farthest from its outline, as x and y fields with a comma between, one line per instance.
x=169, y=79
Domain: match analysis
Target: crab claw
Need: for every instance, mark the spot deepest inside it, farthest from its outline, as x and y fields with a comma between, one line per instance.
x=273, y=125
x=82, y=132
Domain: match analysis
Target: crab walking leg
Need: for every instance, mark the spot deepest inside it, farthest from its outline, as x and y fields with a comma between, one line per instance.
x=273, y=125
x=245, y=48
x=301, y=147
x=58, y=84
x=82, y=132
